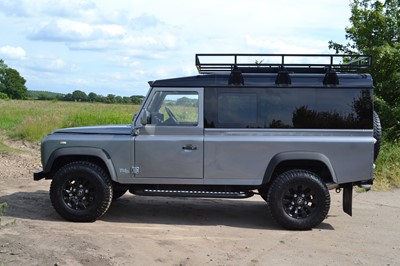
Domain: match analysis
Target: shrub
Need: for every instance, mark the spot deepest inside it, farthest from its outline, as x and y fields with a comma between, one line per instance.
x=3, y=207
x=3, y=96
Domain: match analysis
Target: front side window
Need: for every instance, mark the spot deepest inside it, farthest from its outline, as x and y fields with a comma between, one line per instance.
x=169, y=108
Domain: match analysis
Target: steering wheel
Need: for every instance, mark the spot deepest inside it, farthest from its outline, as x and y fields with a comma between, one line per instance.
x=171, y=115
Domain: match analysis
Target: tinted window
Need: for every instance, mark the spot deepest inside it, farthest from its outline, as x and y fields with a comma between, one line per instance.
x=236, y=108
x=333, y=108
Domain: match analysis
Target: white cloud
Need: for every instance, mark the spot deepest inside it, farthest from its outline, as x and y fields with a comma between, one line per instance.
x=63, y=30
x=132, y=44
x=111, y=31
x=50, y=65
x=288, y=45
x=158, y=41
x=123, y=61
x=11, y=52
x=52, y=8
x=145, y=21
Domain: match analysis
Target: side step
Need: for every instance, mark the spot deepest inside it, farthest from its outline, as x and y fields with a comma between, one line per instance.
x=193, y=193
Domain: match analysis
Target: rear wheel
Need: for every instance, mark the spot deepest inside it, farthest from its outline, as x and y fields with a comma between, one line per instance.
x=298, y=200
x=81, y=192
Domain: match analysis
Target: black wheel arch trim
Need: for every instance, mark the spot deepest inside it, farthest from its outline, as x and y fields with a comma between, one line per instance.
x=297, y=156
x=81, y=151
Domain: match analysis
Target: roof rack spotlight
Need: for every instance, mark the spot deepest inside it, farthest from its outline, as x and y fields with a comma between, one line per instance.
x=236, y=77
x=283, y=77
x=331, y=78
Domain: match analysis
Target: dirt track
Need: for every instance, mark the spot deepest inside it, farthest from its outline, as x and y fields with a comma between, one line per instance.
x=168, y=231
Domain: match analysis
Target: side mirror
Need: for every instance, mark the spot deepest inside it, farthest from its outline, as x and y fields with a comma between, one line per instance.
x=144, y=117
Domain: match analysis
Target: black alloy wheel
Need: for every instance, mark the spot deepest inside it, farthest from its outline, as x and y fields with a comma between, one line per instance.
x=298, y=199
x=81, y=191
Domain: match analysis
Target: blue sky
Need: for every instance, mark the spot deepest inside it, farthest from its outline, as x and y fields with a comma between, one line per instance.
x=115, y=47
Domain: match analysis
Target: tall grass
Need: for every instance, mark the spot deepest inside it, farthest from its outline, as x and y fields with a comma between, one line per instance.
x=387, y=170
x=3, y=207
x=33, y=120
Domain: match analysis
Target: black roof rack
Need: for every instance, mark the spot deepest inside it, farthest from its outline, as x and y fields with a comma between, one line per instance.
x=273, y=63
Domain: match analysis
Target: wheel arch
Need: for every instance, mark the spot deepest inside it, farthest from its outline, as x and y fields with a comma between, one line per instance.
x=312, y=161
x=63, y=156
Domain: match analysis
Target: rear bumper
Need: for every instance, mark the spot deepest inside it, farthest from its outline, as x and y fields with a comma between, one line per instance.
x=38, y=175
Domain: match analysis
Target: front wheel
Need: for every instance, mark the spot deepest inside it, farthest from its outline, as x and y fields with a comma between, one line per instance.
x=81, y=192
x=298, y=200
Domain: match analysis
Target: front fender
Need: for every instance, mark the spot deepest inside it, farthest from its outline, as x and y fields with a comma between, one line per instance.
x=79, y=152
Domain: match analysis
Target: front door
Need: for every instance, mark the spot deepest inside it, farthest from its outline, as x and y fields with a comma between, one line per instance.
x=170, y=145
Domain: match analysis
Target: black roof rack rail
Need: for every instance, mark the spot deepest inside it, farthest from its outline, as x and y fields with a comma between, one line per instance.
x=273, y=63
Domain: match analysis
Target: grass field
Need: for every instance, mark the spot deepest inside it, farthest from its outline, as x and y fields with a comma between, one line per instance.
x=32, y=120
x=387, y=170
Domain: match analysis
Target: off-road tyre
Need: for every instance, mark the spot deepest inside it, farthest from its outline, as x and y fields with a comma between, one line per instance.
x=298, y=200
x=377, y=135
x=81, y=192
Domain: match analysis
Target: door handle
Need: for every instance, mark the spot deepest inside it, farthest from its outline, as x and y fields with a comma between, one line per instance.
x=189, y=147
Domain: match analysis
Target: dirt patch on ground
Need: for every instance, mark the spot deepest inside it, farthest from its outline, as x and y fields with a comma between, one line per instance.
x=170, y=231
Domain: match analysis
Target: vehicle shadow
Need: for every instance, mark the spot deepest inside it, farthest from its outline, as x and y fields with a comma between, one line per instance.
x=156, y=210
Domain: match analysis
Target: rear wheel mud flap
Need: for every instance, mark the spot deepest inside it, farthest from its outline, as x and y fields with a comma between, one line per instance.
x=348, y=198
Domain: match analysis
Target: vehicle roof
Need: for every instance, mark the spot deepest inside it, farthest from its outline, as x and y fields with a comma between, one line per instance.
x=266, y=80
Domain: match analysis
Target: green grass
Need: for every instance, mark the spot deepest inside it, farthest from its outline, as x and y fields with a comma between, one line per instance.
x=3, y=207
x=182, y=113
x=6, y=149
x=387, y=170
x=33, y=120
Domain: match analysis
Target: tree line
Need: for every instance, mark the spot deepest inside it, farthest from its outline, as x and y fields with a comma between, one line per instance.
x=80, y=96
x=12, y=86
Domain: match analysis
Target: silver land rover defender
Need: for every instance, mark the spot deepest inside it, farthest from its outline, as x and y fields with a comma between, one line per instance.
x=288, y=127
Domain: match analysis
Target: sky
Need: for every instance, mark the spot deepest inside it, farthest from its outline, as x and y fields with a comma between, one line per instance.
x=116, y=47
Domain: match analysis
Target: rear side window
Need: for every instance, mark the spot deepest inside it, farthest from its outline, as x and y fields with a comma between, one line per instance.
x=237, y=108
x=306, y=108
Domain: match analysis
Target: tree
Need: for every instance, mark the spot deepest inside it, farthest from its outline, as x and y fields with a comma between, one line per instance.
x=2, y=64
x=137, y=99
x=11, y=82
x=68, y=97
x=126, y=100
x=3, y=96
x=118, y=99
x=375, y=31
x=79, y=96
x=93, y=97
x=110, y=98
